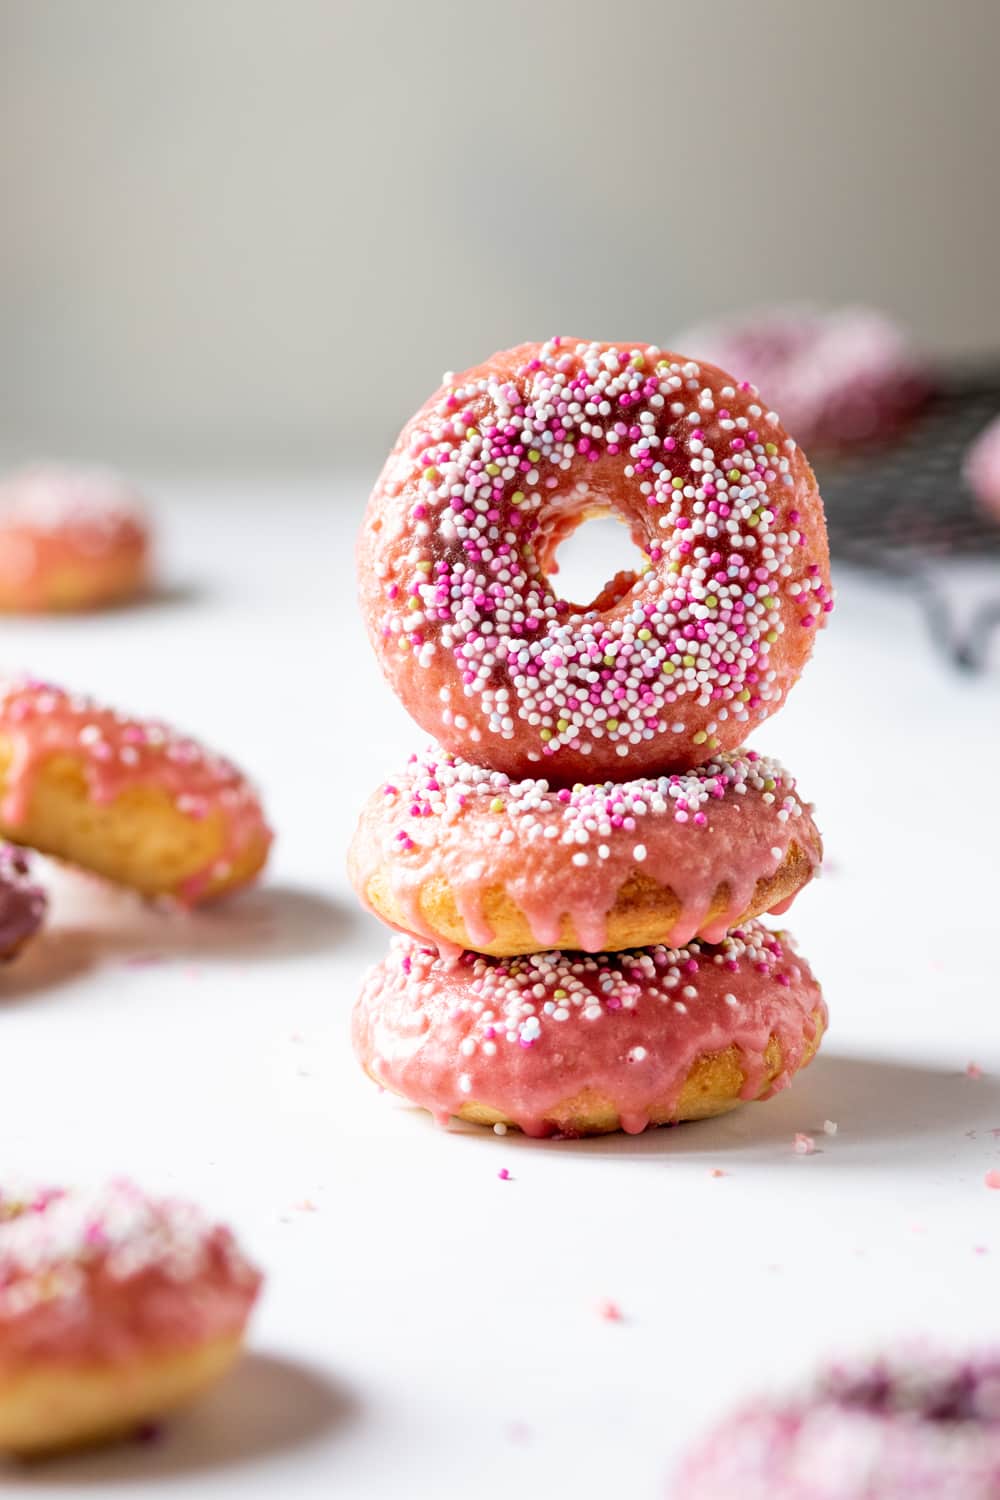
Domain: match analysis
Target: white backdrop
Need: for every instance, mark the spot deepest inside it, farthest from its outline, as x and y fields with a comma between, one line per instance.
x=242, y=230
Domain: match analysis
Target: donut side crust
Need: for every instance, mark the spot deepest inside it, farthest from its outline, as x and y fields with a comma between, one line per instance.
x=70, y=587
x=643, y=914
x=712, y=1087
x=139, y=839
x=57, y=1406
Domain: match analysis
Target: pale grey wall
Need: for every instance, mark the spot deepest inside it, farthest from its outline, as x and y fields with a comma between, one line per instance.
x=258, y=230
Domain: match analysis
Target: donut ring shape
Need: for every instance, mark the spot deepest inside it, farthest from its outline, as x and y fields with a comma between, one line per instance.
x=129, y=799
x=574, y=1044
x=467, y=858
x=667, y=665
x=915, y=1423
x=114, y=1308
x=70, y=540
x=23, y=904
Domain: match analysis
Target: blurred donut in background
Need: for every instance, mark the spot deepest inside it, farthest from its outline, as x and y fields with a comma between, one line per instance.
x=838, y=379
x=982, y=470
x=23, y=903
x=70, y=539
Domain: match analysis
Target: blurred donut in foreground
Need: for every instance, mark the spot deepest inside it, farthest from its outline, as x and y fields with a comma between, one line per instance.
x=70, y=539
x=839, y=379
x=912, y=1425
x=129, y=799
x=114, y=1308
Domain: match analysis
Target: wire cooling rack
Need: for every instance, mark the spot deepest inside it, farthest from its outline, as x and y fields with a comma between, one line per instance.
x=903, y=509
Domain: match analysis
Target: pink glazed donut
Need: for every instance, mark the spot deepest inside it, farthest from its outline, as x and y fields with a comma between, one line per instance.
x=581, y=1044
x=467, y=858
x=114, y=1307
x=905, y=1428
x=666, y=665
x=70, y=539
x=129, y=799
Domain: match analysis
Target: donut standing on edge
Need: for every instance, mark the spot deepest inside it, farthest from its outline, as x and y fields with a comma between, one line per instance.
x=591, y=791
x=668, y=664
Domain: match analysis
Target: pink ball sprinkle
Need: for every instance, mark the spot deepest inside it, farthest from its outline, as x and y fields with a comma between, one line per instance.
x=504, y=1175
x=992, y=1178
x=804, y=1145
x=611, y=1312
x=974, y=1070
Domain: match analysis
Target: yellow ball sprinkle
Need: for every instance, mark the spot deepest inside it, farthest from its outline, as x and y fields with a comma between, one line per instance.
x=700, y=737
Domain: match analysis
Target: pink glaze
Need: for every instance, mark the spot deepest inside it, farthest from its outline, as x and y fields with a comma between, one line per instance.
x=54, y=518
x=665, y=666
x=838, y=378
x=523, y=1035
x=569, y=852
x=114, y=1277
x=982, y=469
x=118, y=752
x=917, y=1426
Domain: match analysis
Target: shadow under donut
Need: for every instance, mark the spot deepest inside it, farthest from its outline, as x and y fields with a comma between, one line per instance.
x=875, y=1102
x=97, y=924
x=267, y=1405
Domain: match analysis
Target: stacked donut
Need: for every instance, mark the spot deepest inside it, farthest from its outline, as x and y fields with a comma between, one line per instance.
x=577, y=866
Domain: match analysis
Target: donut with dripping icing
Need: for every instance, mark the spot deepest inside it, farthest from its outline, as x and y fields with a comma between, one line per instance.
x=667, y=665
x=579, y=1044
x=467, y=858
x=917, y=1423
x=70, y=540
x=840, y=378
x=129, y=799
x=114, y=1309
x=23, y=903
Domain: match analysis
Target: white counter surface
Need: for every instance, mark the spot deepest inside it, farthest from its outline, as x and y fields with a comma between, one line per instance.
x=430, y=1330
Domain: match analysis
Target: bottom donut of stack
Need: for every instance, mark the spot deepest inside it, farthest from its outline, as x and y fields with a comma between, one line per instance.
x=576, y=1044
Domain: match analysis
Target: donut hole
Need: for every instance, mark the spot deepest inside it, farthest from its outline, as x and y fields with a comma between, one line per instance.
x=596, y=559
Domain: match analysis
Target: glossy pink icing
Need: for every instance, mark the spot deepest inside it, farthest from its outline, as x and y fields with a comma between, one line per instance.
x=916, y=1426
x=523, y=1035
x=114, y=1276
x=668, y=664
x=570, y=851
x=118, y=752
x=52, y=518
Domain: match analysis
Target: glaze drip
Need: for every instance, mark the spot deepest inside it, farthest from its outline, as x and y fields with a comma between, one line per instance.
x=524, y=1035
x=568, y=852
